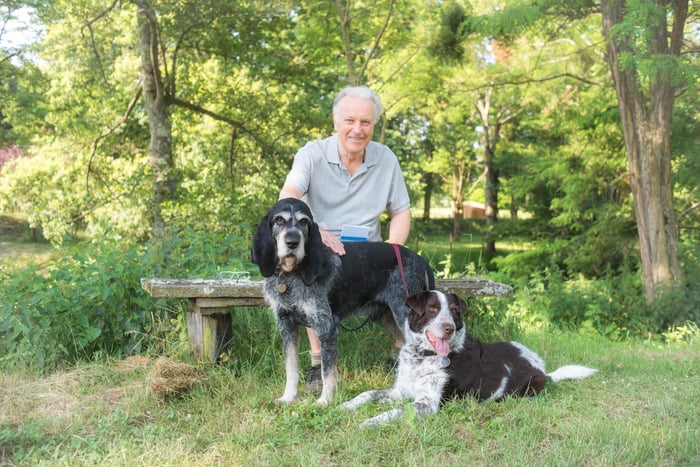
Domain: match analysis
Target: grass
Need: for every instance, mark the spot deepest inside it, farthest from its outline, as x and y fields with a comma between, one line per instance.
x=641, y=409
x=16, y=250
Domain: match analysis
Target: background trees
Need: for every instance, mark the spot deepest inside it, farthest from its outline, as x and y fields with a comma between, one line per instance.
x=164, y=114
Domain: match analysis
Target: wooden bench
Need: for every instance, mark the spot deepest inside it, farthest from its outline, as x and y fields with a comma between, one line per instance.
x=209, y=317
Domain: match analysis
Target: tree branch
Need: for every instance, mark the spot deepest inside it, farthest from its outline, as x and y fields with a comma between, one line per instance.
x=222, y=118
x=344, y=15
x=88, y=24
x=377, y=40
x=109, y=131
x=534, y=80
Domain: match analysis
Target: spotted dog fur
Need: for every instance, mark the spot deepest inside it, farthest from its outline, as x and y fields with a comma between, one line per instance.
x=440, y=360
x=306, y=284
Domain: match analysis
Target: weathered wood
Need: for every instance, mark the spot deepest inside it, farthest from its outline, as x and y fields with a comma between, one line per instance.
x=209, y=318
x=209, y=333
x=249, y=292
x=202, y=288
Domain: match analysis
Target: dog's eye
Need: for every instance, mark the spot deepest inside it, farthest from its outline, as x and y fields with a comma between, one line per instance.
x=279, y=220
x=303, y=221
x=434, y=309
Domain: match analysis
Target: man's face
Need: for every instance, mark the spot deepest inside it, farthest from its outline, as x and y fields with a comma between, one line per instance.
x=354, y=123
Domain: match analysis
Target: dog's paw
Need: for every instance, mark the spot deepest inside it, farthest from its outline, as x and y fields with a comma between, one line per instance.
x=322, y=402
x=370, y=424
x=285, y=400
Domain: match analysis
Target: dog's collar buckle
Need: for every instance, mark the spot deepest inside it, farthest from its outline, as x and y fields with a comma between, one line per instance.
x=281, y=287
x=444, y=362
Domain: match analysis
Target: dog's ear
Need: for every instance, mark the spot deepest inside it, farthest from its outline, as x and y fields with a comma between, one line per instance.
x=417, y=302
x=315, y=256
x=264, y=249
x=457, y=300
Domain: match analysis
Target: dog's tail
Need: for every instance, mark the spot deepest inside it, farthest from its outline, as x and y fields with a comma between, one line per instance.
x=571, y=372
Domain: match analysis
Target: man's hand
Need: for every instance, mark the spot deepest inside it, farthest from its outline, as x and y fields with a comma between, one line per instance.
x=332, y=242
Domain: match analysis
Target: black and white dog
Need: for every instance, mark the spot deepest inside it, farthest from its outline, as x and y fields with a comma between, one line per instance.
x=308, y=285
x=440, y=360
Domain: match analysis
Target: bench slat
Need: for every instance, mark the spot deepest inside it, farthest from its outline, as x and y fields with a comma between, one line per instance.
x=252, y=289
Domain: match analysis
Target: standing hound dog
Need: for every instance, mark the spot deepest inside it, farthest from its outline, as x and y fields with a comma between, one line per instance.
x=440, y=360
x=306, y=284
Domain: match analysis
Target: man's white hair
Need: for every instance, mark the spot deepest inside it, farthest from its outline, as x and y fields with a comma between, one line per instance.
x=361, y=92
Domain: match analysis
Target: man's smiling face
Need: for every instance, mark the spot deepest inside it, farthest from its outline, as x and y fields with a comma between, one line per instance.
x=354, y=122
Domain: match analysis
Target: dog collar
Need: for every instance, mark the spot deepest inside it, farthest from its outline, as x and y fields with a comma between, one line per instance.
x=444, y=362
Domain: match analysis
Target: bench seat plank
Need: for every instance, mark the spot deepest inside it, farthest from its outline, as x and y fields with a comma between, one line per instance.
x=252, y=289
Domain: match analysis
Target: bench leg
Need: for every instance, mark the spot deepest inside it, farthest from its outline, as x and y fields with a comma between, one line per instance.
x=209, y=333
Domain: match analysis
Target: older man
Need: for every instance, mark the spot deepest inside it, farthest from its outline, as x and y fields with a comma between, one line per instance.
x=348, y=179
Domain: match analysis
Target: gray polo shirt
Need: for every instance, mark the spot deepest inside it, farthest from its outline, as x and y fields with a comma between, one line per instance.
x=338, y=199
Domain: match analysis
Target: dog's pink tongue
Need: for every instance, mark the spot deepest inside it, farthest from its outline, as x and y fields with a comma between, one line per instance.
x=441, y=346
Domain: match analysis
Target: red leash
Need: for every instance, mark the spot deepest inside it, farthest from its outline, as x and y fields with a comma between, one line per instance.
x=400, y=261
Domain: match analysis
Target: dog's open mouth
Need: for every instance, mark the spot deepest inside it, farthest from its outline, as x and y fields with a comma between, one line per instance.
x=288, y=263
x=441, y=346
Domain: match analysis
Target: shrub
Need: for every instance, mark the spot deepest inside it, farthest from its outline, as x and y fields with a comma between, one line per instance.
x=91, y=302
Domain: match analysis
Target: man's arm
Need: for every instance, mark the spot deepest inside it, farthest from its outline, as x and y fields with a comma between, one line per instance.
x=400, y=226
x=290, y=191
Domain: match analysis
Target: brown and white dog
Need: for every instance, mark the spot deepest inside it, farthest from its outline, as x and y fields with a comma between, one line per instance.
x=440, y=360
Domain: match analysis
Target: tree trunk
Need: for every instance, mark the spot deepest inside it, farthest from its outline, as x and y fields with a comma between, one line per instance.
x=646, y=125
x=489, y=141
x=429, y=179
x=160, y=156
x=457, y=197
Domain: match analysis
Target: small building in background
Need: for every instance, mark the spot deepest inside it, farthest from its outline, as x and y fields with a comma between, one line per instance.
x=474, y=210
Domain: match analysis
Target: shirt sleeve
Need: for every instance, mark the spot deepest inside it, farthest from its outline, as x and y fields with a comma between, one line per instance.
x=398, y=196
x=302, y=167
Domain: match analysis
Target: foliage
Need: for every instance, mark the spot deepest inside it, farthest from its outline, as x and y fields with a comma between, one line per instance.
x=90, y=302
x=612, y=305
x=272, y=70
x=22, y=84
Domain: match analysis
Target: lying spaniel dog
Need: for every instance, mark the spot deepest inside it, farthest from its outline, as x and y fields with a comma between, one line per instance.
x=440, y=360
x=306, y=284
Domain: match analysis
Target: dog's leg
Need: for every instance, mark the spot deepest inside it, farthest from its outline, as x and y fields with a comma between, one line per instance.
x=426, y=404
x=378, y=395
x=290, y=341
x=329, y=367
x=383, y=418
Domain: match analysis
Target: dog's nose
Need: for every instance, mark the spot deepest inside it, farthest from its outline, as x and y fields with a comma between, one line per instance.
x=292, y=240
x=448, y=329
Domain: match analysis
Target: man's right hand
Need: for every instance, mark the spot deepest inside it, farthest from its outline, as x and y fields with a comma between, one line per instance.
x=332, y=242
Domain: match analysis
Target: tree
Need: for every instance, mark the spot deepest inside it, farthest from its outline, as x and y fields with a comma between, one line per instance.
x=648, y=69
x=643, y=54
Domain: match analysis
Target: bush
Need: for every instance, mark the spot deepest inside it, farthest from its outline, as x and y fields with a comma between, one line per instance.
x=614, y=305
x=91, y=302
x=88, y=302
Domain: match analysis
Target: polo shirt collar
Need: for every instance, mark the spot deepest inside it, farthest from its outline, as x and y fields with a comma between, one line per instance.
x=333, y=157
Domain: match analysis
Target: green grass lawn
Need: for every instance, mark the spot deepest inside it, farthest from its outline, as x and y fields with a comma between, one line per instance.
x=640, y=409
